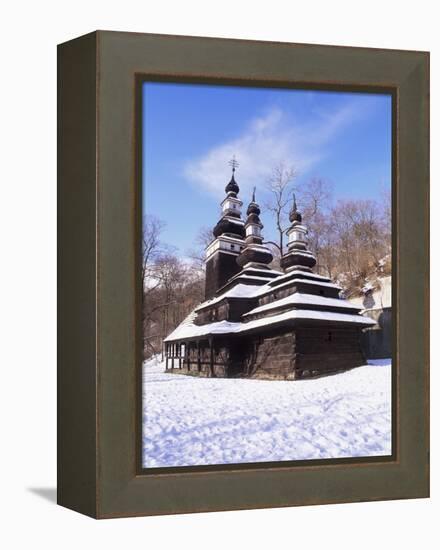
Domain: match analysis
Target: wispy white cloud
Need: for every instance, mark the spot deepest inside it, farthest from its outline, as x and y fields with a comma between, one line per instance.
x=268, y=139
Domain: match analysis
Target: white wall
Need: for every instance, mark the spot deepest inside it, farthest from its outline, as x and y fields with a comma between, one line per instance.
x=29, y=33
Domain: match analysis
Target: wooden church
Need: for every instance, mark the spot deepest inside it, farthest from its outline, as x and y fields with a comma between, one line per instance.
x=258, y=322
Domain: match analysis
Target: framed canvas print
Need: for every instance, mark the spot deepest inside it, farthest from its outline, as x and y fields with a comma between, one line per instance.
x=243, y=274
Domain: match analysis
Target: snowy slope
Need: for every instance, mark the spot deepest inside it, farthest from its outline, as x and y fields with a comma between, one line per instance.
x=195, y=421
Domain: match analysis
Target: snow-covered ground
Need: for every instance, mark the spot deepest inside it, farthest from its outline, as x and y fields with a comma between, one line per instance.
x=195, y=421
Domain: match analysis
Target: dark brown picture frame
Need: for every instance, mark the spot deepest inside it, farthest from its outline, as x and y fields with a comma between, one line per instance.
x=99, y=360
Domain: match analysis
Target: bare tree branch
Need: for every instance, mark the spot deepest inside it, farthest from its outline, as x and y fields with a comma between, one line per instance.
x=280, y=186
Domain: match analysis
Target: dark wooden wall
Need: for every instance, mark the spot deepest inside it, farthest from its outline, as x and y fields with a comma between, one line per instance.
x=274, y=356
x=324, y=350
x=219, y=269
x=284, y=354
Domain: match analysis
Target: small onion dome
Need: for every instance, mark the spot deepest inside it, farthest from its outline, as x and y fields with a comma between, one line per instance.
x=253, y=208
x=227, y=226
x=298, y=259
x=232, y=186
x=253, y=218
x=254, y=253
x=294, y=215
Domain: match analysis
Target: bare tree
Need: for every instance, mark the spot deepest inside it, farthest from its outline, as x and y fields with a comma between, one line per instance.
x=314, y=200
x=362, y=240
x=174, y=289
x=151, y=245
x=280, y=186
x=315, y=197
x=203, y=239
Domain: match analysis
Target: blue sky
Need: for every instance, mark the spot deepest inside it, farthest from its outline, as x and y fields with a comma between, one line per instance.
x=190, y=131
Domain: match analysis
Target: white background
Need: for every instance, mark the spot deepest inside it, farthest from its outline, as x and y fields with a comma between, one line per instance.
x=29, y=34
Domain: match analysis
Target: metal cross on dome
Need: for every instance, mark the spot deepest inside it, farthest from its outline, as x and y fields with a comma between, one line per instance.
x=234, y=163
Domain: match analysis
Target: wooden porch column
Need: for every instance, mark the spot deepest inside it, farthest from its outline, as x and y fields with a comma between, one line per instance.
x=211, y=357
x=199, y=366
x=179, y=354
x=187, y=352
x=166, y=355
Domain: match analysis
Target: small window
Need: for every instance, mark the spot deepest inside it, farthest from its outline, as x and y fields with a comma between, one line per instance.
x=232, y=246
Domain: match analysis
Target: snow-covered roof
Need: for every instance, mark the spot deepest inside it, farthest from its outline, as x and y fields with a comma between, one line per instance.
x=187, y=329
x=299, y=298
x=255, y=271
x=234, y=220
x=298, y=252
x=242, y=290
x=270, y=288
x=238, y=291
x=255, y=266
x=188, y=322
x=308, y=314
x=250, y=276
x=305, y=274
x=250, y=291
x=254, y=246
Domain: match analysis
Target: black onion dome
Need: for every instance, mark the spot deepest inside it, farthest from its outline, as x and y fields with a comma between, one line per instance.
x=259, y=255
x=227, y=226
x=299, y=259
x=253, y=208
x=232, y=186
x=294, y=215
x=253, y=218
